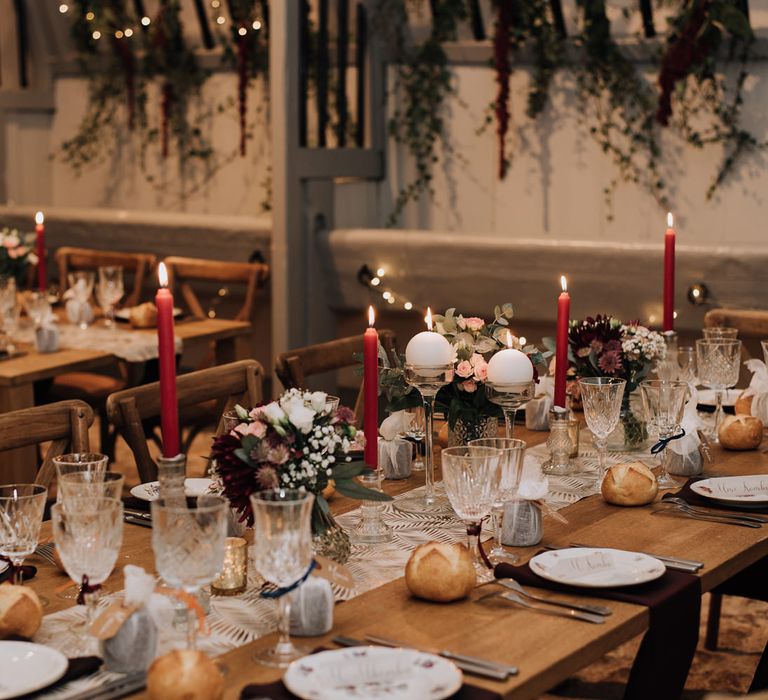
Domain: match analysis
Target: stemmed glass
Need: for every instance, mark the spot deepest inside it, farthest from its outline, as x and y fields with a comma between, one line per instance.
x=9, y=320
x=81, y=285
x=79, y=462
x=189, y=544
x=718, y=362
x=510, y=471
x=88, y=533
x=601, y=397
x=90, y=485
x=282, y=555
x=109, y=291
x=720, y=333
x=686, y=360
x=664, y=403
x=37, y=306
x=7, y=290
x=428, y=381
x=510, y=397
x=416, y=433
x=21, y=514
x=471, y=476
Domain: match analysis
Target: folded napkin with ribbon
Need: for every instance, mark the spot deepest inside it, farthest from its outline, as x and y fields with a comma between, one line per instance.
x=77, y=311
x=665, y=655
x=537, y=409
x=695, y=499
x=47, y=333
x=758, y=389
x=687, y=454
x=395, y=452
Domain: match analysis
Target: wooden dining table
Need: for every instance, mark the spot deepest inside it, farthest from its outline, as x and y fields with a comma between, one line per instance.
x=546, y=649
x=19, y=374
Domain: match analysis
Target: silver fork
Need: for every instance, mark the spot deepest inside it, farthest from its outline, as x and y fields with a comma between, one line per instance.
x=700, y=510
x=46, y=552
x=557, y=612
x=679, y=512
x=513, y=585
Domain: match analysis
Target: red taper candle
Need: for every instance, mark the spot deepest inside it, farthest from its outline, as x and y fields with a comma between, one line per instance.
x=371, y=392
x=669, y=275
x=42, y=278
x=561, y=347
x=169, y=409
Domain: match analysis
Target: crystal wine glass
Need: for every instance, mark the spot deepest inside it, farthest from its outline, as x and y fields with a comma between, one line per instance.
x=188, y=543
x=7, y=291
x=110, y=291
x=88, y=533
x=282, y=555
x=9, y=319
x=664, y=403
x=81, y=284
x=510, y=471
x=471, y=476
x=510, y=397
x=720, y=333
x=90, y=485
x=80, y=462
x=37, y=306
x=428, y=381
x=601, y=397
x=718, y=362
x=21, y=514
x=686, y=360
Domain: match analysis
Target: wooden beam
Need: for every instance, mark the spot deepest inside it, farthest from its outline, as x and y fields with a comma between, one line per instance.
x=361, y=49
x=22, y=39
x=202, y=20
x=557, y=18
x=312, y=163
x=646, y=10
x=342, y=58
x=323, y=66
x=303, y=70
x=476, y=15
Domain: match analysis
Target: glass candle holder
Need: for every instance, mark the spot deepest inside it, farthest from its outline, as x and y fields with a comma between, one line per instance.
x=171, y=474
x=559, y=443
x=510, y=397
x=234, y=573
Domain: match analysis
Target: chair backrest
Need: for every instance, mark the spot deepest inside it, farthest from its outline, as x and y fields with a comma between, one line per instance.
x=752, y=323
x=64, y=424
x=184, y=272
x=137, y=264
x=238, y=382
x=294, y=366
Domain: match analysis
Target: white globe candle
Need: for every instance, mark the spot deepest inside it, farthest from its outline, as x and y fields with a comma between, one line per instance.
x=510, y=366
x=428, y=349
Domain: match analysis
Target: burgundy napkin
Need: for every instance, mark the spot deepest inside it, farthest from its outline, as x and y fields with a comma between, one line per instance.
x=665, y=655
x=695, y=500
x=78, y=667
x=28, y=571
x=277, y=691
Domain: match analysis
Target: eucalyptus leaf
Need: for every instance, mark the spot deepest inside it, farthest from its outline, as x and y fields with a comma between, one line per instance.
x=347, y=470
x=351, y=489
x=242, y=413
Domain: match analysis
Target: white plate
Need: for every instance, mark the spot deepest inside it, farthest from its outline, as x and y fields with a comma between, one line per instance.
x=706, y=397
x=125, y=314
x=3, y=566
x=28, y=667
x=591, y=567
x=192, y=488
x=741, y=491
x=372, y=672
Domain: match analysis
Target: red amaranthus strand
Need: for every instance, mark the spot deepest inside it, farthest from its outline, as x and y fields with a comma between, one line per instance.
x=242, y=87
x=501, y=47
x=686, y=51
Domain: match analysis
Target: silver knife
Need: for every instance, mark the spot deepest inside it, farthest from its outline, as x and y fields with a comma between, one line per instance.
x=138, y=513
x=485, y=669
x=133, y=520
x=687, y=565
x=117, y=688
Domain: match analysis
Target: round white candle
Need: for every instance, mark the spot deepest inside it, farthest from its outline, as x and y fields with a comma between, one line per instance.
x=510, y=367
x=428, y=349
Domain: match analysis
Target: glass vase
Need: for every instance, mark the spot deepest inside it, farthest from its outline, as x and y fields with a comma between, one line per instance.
x=329, y=539
x=631, y=434
x=465, y=430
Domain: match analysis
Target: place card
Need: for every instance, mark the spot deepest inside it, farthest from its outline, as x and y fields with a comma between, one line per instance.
x=580, y=566
x=334, y=572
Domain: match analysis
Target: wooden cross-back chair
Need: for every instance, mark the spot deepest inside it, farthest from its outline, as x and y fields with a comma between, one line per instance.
x=184, y=272
x=238, y=382
x=137, y=264
x=64, y=424
x=293, y=367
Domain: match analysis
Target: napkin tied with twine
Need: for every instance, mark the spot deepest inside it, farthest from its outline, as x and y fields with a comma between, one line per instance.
x=395, y=453
x=758, y=389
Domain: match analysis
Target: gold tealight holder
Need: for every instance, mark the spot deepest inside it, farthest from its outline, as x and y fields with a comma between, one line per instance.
x=233, y=578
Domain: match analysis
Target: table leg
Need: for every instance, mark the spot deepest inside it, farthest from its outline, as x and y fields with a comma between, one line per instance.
x=19, y=465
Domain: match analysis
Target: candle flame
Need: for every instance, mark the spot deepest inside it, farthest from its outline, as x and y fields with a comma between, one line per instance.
x=670, y=220
x=371, y=316
x=428, y=319
x=510, y=340
x=564, y=283
x=162, y=274
x=39, y=218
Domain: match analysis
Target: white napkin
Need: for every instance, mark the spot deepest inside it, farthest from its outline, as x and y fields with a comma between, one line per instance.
x=758, y=388
x=47, y=333
x=395, y=452
x=537, y=409
x=691, y=423
x=140, y=591
x=533, y=488
x=395, y=424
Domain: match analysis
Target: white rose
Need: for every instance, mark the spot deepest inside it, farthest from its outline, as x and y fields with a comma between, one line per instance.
x=302, y=417
x=273, y=413
x=318, y=399
x=290, y=400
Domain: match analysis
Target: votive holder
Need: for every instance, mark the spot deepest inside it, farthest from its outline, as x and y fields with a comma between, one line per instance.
x=171, y=474
x=559, y=443
x=234, y=573
x=371, y=528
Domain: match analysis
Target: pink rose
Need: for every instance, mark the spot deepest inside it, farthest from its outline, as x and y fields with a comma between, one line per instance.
x=475, y=359
x=481, y=371
x=473, y=323
x=469, y=386
x=464, y=369
x=257, y=429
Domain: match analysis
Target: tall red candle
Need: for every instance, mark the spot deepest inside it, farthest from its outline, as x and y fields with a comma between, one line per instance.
x=371, y=392
x=169, y=409
x=561, y=347
x=42, y=278
x=669, y=275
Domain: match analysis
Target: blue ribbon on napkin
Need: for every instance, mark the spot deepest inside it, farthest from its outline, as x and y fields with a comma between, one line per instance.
x=280, y=592
x=663, y=442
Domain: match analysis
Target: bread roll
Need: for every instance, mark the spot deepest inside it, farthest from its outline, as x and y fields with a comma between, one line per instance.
x=743, y=405
x=740, y=432
x=440, y=572
x=144, y=315
x=20, y=611
x=630, y=484
x=184, y=674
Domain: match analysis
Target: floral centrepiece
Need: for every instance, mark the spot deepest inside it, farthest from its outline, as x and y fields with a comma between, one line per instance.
x=474, y=342
x=16, y=253
x=291, y=443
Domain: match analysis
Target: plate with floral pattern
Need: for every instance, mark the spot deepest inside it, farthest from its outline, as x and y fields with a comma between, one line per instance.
x=741, y=491
x=369, y=673
x=192, y=488
x=592, y=567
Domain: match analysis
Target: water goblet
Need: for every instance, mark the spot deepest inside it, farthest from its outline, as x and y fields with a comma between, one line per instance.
x=720, y=333
x=7, y=290
x=81, y=285
x=471, y=476
x=510, y=472
x=88, y=533
x=21, y=514
x=664, y=403
x=686, y=360
x=601, y=397
x=9, y=321
x=80, y=462
x=718, y=361
x=282, y=555
x=37, y=306
x=189, y=545
x=510, y=397
x=415, y=433
x=109, y=291
x=91, y=484
x=428, y=381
